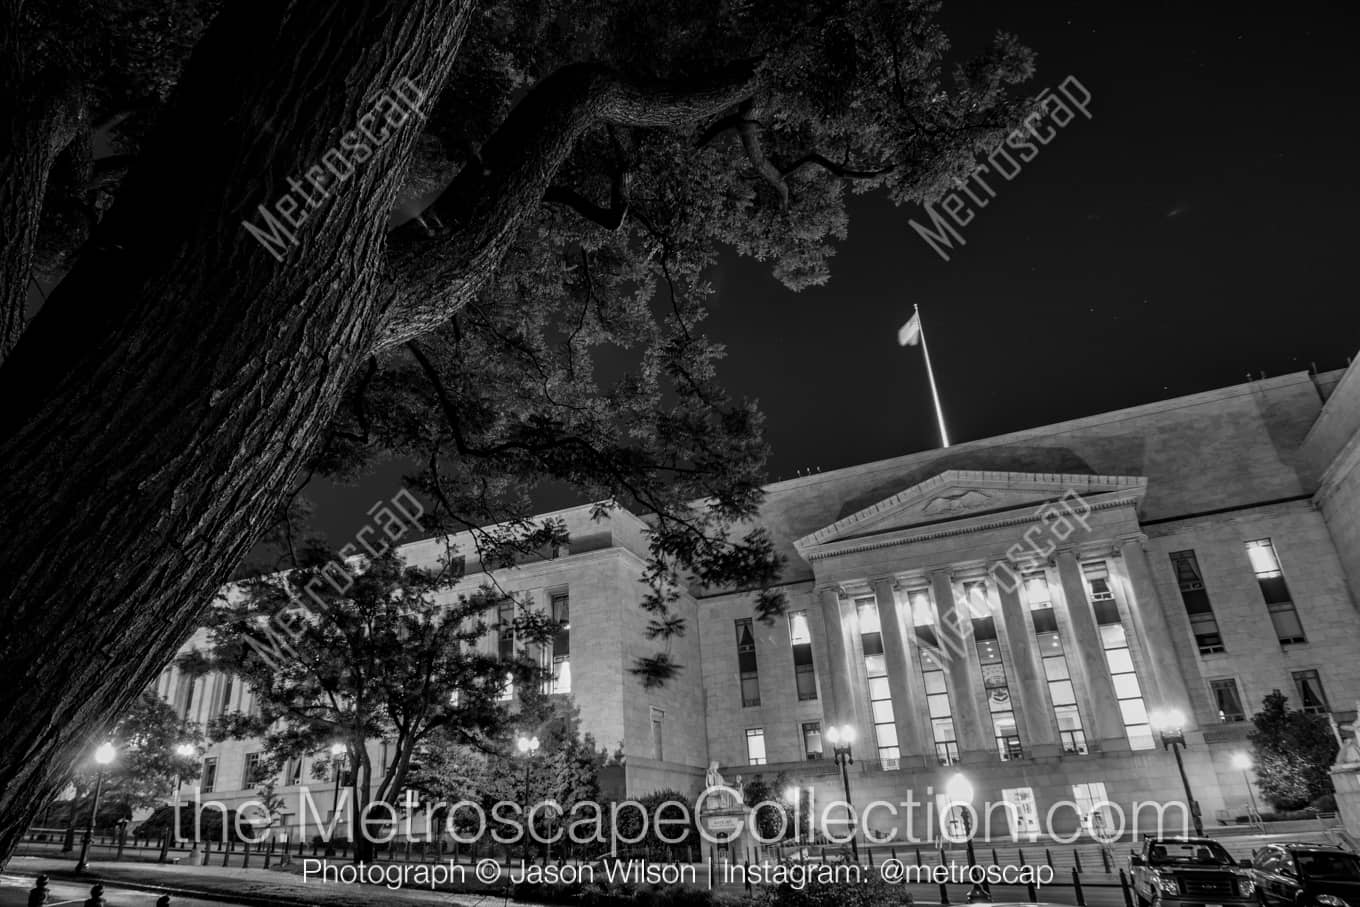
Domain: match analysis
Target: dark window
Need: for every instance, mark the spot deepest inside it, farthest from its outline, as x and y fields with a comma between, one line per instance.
x=1311, y=696
x=505, y=629
x=225, y=702
x=561, y=615
x=1227, y=700
x=746, y=663
x=292, y=773
x=209, y=774
x=1107, y=612
x=658, y=717
x=1288, y=628
x=1045, y=620
x=1196, y=599
x=252, y=772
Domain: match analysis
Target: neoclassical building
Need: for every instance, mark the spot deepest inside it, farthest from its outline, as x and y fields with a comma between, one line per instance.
x=1015, y=608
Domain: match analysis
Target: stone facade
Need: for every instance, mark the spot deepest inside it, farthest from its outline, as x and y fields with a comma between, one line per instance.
x=1009, y=608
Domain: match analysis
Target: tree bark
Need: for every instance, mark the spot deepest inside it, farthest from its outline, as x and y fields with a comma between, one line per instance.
x=37, y=120
x=177, y=378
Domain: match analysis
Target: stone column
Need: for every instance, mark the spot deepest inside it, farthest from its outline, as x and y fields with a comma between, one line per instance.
x=841, y=709
x=1034, y=714
x=900, y=672
x=965, y=675
x=1103, y=705
x=1160, y=646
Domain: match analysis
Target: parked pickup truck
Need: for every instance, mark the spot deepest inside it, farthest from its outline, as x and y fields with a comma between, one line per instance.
x=1190, y=872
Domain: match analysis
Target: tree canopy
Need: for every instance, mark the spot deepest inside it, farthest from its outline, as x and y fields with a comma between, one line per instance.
x=507, y=285
x=1293, y=753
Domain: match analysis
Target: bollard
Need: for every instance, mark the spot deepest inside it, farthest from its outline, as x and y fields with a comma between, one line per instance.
x=1076, y=858
x=268, y=853
x=226, y=855
x=96, y=898
x=1048, y=855
x=1076, y=887
x=1021, y=859
x=892, y=850
x=163, y=901
x=1029, y=888
x=944, y=894
x=38, y=896
x=1124, y=884
x=995, y=861
x=1105, y=858
x=245, y=855
x=918, y=856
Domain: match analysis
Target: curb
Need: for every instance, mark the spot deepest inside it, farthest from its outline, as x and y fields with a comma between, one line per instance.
x=209, y=895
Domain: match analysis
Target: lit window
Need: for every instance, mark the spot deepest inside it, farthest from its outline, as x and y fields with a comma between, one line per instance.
x=996, y=689
x=880, y=696
x=1127, y=690
x=1037, y=595
x=755, y=746
x=1097, y=578
x=209, y=774
x=922, y=612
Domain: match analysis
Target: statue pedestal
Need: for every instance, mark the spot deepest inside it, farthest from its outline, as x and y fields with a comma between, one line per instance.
x=722, y=824
x=1346, y=782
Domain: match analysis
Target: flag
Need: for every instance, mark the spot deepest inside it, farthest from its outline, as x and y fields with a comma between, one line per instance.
x=910, y=334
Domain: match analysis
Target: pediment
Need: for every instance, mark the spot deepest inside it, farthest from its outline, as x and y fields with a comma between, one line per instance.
x=959, y=495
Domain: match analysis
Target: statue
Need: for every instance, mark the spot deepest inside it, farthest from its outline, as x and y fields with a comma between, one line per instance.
x=721, y=799
x=1348, y=756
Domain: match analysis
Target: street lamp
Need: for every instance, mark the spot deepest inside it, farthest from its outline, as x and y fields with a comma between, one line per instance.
x=103, y=755
x=337, y=750
x=184, y=751
x=1242, y=762
x=960, y=790
x=527, y=746
x=842, y=738
x=1170, y=726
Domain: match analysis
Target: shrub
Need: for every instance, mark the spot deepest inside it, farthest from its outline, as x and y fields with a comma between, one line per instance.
x=871, y=891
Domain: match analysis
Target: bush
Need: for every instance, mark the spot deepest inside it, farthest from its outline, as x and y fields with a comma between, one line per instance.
x=872, y=891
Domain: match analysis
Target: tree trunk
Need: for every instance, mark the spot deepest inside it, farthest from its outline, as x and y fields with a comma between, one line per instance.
x=37, y=120
x=159, y=405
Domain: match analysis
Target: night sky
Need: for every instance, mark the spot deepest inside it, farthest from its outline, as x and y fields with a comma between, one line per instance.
x=1198, y=227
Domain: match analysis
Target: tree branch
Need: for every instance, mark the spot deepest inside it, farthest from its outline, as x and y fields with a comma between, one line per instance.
x=833, y=167
x=434, y=276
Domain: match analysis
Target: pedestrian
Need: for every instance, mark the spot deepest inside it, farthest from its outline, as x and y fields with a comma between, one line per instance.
x=748, y=875
x=96, y=898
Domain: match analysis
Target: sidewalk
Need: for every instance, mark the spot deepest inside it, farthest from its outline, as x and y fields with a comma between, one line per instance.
x=242, y=886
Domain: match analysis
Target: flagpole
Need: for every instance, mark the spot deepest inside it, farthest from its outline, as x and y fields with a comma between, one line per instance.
x=930, y=373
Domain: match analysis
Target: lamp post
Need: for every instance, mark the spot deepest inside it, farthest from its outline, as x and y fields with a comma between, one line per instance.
x=337, y=750
x=1170, y=726
x=527, y=746
x=1242, y=762
x=793, y=795
x=842, y=738
x=103, y=756
x=183, y=751
x=960, y=790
